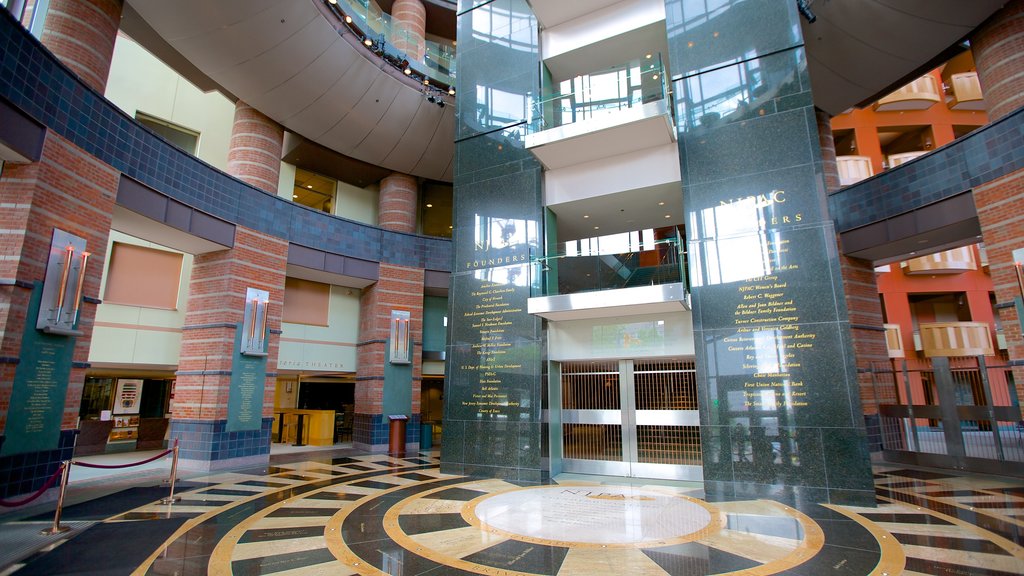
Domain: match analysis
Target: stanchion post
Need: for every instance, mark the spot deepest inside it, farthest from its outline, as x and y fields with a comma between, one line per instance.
x=57, y=528
x=171, y=498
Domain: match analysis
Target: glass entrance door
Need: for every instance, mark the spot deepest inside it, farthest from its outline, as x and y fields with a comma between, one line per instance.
x=634, y=418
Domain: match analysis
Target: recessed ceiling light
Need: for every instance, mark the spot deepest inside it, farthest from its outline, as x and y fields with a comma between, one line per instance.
x=310, y=186
x=449, y=227
x=430, y=205
x=294, y=196
x=668, y=215
x=655, y=77
x=348, y=19
x=648, y=56
x=333, y=1
x=661, y=203
x=451, y=90
x=585, y=216
x=597, y=227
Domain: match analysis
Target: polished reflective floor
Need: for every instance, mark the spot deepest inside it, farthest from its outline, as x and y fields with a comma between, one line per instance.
x=346, y=513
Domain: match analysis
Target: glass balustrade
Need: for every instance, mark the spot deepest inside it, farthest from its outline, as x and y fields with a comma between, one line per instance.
x=627, y=260
x=438, y=61
x=601, y=93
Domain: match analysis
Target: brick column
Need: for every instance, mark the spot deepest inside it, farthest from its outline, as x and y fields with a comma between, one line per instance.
x=998, y=47
x=82, y=33
x=409, y=22
x=209, y=351
x=254, y=155
x=862, y=302
x=379, y=384
x=398, y=206
x=70, y=190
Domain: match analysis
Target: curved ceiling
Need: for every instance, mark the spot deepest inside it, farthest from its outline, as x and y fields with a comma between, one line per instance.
x=288, y=61
x=859, y=51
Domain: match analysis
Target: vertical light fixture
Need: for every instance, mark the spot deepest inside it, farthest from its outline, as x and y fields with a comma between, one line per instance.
x=63, y=284
x=399, y=337
x=254, y=323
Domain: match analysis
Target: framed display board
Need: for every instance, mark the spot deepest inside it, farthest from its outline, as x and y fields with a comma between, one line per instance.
x=128, y=396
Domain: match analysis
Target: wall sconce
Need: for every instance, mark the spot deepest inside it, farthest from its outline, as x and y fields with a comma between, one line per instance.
x=254, y=325
x=63, y=284
x=399, y=337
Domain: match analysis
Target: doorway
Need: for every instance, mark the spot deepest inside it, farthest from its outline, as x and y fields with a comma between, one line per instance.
x=632, y=418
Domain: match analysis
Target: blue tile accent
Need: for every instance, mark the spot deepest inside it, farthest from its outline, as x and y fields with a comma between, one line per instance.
x=209, y=440
x=32, y=79
x=374, y=429
x=22, y=474
x=986, y=154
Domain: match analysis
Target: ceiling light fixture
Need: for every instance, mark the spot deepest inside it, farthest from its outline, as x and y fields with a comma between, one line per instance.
x=585, y=216
x=451, y=90
x=310, y=186
x=661, y=203
x=407, y=71
x=348, y=19
x=333, y=1
x=668, y=215
x=430, y=205
x=367, y=42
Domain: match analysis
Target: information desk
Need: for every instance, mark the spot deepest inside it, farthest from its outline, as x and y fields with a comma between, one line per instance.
x=317, y=427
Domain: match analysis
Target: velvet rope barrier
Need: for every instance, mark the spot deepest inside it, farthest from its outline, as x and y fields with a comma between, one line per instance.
x=49, y=484
x=112, y=466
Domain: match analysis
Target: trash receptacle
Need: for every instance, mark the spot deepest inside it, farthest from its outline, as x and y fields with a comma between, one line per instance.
x=426, y=436
x=396, y=435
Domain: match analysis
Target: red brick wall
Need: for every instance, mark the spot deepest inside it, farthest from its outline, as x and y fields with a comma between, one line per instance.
x=67, y=189
x=998, y=47
x=398, y=203
x=254, y=154
x=1000, y=206
x=398, y=288
x=82, y=33
x=217, y=296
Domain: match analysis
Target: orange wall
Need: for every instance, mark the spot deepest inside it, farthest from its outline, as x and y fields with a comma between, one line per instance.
x=865, y=124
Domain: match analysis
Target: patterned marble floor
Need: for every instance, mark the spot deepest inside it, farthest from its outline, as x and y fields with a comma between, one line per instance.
x=372, y=515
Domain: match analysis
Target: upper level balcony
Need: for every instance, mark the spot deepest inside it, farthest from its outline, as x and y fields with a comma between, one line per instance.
x=920, y=94
x=953, y=261
x=965, y=92
x=381, y=33
x=894, y=341
x=642, y=271
x=853, y=169
x=956, y=339
x=602, y=114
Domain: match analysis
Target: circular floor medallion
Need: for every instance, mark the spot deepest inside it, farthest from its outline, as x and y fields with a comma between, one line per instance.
x=596, y=515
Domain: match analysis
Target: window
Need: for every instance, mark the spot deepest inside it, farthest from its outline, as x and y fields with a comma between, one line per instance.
x=314, y=190
x=140, y=276
x=306, y=302
x=183, y=138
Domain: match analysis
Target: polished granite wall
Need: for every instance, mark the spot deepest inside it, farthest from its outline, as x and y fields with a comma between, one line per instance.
x=492, y=412
x=779, y=402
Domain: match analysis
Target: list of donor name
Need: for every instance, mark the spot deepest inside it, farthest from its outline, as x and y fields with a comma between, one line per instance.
x=489, y=314
x=769, y=338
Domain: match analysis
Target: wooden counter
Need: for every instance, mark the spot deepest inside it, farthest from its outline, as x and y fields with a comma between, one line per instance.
x=317, y=426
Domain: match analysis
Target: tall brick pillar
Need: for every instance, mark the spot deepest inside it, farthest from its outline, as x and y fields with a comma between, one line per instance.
x=384, y=388
x=998, y=47
x=69, y=190
x=211, y=368
x=409, y=22
x=254, y=153
x=862, y=302
x=398, y=207
x=82, y=33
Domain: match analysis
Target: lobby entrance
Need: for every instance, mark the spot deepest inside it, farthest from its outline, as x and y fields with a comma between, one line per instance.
x=631, y=418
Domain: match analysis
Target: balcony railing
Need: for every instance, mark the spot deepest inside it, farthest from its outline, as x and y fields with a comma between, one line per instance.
x=600, y=94
x=956, y=339
x=377, y=26
x=613, y=262
x=894, y=341
x=904, y=157
x=965, y=92
x=953, y=261
x=920, y=94
x=853, y=169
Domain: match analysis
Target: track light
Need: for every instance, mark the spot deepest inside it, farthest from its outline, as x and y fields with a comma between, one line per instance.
x=440, y=103
x=431, y=99
x=804, y=8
